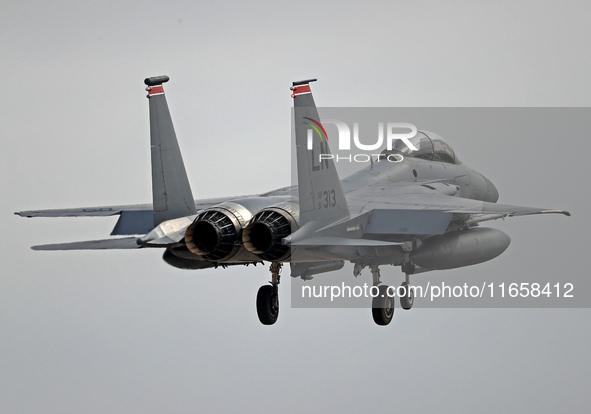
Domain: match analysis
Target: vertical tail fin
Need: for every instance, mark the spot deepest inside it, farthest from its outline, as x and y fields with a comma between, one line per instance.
x=171, y=192
x=321, y=196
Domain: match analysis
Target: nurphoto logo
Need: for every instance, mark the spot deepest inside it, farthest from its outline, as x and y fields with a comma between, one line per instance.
x=388, y=131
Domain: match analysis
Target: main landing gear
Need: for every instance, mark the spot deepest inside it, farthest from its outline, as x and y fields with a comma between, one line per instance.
x=268, y=297
x=382, y=306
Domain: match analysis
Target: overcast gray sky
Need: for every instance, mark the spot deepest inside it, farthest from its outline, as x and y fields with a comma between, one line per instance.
x=123, y=332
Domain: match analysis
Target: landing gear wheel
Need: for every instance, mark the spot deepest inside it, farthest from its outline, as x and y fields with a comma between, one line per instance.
x=382, y=306
x=407, y=300
x=268, y=304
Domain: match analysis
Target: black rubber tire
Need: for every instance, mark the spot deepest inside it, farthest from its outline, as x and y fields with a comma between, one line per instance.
x=408, y=300
x=382, y=307
x=268, y=304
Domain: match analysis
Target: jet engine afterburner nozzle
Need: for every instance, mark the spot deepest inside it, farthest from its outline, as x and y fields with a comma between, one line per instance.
x=212, y=235
x=263, y=235
x=216, y=233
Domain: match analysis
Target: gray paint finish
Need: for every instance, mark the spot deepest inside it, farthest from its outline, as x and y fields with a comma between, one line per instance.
x=124, y=332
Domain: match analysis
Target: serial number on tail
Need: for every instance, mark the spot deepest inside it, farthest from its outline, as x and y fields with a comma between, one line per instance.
x=326, y=199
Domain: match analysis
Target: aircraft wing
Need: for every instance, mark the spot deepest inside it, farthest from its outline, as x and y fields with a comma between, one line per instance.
x=340, y=241
x=84, y=211
x=134, y=218
x=120, y=243
x=407, y=210
x=111, y=210
x=457, y=205
x=408, y=196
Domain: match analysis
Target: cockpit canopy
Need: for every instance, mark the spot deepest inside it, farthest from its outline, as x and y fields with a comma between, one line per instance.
x=430, y=146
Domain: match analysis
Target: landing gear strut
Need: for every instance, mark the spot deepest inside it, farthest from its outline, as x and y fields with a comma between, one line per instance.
x=382, y=307
x=268, y=297
x=408, y=299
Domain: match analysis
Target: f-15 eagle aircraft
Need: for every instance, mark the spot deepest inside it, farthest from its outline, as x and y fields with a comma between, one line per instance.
x=421, y=212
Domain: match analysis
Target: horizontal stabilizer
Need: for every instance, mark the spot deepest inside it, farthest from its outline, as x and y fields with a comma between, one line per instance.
x=107, y=244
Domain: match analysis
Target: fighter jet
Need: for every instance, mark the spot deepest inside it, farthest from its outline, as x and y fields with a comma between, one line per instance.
x=415, y=206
